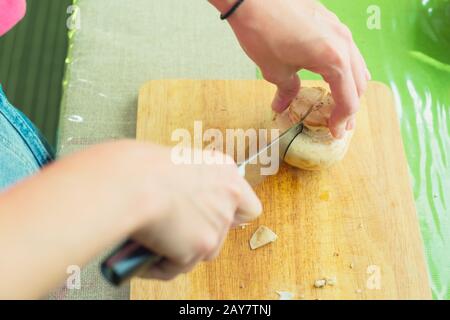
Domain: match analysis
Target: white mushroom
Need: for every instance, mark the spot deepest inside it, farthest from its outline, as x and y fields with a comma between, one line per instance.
x=315, y=148
x=331, y=281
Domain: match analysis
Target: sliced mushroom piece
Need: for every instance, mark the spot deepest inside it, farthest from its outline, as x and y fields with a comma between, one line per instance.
x=320, y=283
x=262, y=236
x=332, y=281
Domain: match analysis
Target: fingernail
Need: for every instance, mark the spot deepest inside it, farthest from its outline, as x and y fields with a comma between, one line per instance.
x=368, y=75
x=350, y=124
x=339, y=132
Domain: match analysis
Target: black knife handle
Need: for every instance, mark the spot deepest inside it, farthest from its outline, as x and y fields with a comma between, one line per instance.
x=127, y=260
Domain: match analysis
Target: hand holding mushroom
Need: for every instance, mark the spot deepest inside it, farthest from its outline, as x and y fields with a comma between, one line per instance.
x=285, y=36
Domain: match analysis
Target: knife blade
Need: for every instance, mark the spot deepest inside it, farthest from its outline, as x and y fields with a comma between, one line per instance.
x=131, y=258
x=251, y=168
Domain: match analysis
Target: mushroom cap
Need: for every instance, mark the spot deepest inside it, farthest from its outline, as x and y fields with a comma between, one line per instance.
x=315, y=148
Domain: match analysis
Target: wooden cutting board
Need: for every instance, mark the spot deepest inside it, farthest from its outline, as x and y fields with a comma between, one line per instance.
x=356, y=222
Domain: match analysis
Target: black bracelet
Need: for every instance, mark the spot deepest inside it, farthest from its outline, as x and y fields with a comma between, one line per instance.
x=227, y=14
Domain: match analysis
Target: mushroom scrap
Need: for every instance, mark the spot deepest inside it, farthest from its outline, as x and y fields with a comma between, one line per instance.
x=262, y=236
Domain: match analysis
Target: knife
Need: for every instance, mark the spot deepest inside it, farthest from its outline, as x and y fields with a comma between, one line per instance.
x=131, y=258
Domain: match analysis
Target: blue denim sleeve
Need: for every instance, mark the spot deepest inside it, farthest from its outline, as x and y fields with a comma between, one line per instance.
x=23, y=150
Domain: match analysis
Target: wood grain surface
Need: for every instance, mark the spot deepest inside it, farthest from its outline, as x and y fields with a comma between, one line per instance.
x=356, y=221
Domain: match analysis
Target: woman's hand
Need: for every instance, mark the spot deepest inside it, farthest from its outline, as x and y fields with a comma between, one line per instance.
x=75, y=208
x=285, y=36
x=200, y=204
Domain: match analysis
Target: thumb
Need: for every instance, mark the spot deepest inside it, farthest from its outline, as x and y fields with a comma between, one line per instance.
x=288, y=89
x=249, y=207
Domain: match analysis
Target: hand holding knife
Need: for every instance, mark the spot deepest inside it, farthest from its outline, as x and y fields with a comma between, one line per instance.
x=131, y=258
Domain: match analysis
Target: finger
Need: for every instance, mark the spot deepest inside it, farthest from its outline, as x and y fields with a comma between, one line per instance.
x=360, y=74
x=357, y=63
x=359, y=69
x=327, y=13
x=351, y=124
x=345, y=95
x=346, y=34
x=249, y=205
x=368, y=74
x=215, y=253
x=168, y=270
x=288, y=89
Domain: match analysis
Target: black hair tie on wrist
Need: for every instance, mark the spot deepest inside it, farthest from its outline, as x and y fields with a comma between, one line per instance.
x=227, y=14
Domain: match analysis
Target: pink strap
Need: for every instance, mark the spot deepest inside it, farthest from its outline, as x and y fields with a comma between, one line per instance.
x=11, y=12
